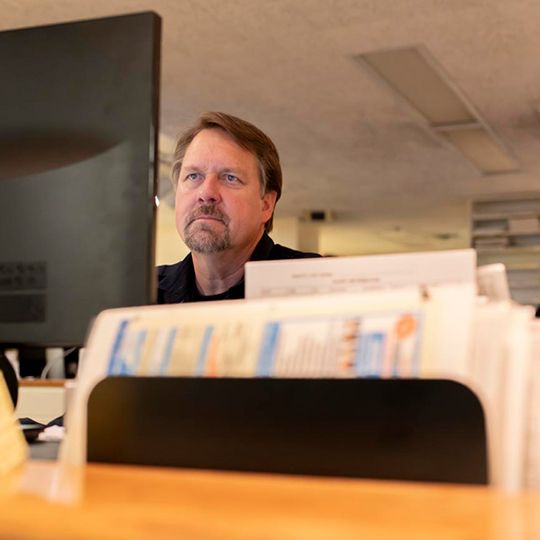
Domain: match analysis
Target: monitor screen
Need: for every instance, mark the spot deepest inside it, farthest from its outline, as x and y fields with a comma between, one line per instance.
x=78, y=161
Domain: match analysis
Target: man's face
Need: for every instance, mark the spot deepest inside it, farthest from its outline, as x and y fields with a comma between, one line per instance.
x=218, y=197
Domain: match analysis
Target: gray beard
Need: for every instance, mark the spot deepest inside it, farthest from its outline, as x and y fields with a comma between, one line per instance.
x=201, y=238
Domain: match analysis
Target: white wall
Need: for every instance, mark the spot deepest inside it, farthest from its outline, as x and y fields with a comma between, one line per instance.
x=341, y=238
x=169, y=247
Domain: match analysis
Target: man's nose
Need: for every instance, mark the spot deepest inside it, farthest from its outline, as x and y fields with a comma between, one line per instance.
x=209, y=190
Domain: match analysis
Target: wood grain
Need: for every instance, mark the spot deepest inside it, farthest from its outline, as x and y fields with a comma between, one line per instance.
x=134, y=502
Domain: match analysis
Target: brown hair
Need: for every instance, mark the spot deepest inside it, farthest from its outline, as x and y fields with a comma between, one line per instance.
x=247, y=136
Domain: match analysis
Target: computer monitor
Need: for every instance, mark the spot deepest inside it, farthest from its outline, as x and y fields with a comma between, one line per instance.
x=78, y=161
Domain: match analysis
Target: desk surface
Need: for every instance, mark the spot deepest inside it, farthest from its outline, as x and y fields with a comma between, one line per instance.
x=132, y=502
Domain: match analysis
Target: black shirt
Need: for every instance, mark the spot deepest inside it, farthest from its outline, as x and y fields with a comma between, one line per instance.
x=176, y=282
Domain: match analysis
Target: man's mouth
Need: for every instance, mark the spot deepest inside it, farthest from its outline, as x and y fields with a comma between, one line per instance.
x=205, y=214
x=212, y=218
x=203, y=219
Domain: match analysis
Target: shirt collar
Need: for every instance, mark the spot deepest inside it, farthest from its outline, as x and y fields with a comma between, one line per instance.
x=185, y=288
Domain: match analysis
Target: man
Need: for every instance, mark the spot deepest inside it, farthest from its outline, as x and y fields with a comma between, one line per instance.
x=228, y=179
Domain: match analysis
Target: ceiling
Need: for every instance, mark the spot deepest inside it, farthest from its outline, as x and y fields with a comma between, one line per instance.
x=347, y=143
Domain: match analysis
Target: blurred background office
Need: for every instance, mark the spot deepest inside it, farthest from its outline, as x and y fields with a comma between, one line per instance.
x=402, y=126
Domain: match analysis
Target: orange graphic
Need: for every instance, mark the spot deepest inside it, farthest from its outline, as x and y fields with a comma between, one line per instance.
x=405, y=326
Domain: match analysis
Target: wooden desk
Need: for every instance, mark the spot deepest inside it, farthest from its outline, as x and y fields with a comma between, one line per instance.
x=42, y=383
x=133, y=503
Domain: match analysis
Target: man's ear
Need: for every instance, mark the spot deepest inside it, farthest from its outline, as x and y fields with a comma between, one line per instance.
x=268, y=204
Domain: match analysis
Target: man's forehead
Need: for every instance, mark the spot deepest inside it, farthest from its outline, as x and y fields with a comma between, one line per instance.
x=215, y=147
x=217, y=137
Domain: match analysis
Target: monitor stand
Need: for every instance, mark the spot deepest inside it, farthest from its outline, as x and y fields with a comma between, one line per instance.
x=32, y=361
x=10, y=377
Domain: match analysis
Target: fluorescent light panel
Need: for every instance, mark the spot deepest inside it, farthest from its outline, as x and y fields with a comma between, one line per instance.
x=416, y=79
x=414, y=75
x=479, y=147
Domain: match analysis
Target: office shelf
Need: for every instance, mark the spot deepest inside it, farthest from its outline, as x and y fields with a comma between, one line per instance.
x=508, y=231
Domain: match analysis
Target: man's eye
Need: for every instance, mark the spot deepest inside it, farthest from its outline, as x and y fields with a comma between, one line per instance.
x=192, y=176
x=231, y=178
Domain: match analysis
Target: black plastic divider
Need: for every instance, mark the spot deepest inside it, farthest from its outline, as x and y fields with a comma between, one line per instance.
x=405, y=429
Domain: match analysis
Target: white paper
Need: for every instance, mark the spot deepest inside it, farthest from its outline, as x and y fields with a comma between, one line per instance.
x=514, y=395
x=493, y=282
x=266, y=279
x=532, y=454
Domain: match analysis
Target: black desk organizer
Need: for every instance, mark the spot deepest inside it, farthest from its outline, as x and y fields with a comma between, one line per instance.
x=404, y=429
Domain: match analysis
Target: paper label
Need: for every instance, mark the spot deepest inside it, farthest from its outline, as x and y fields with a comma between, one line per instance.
x=13, y=447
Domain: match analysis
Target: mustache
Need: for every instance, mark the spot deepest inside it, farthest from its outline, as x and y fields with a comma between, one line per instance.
x=207, y=210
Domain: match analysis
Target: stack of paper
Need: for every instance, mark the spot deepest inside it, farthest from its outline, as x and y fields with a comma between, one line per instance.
x=396, y=333
x=424, y=321
x=532, y=463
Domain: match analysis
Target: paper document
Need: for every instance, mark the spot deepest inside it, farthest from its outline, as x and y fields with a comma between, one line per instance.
x=493, y=282
x=532, y=456
x=385, y=344
x=266, y=279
